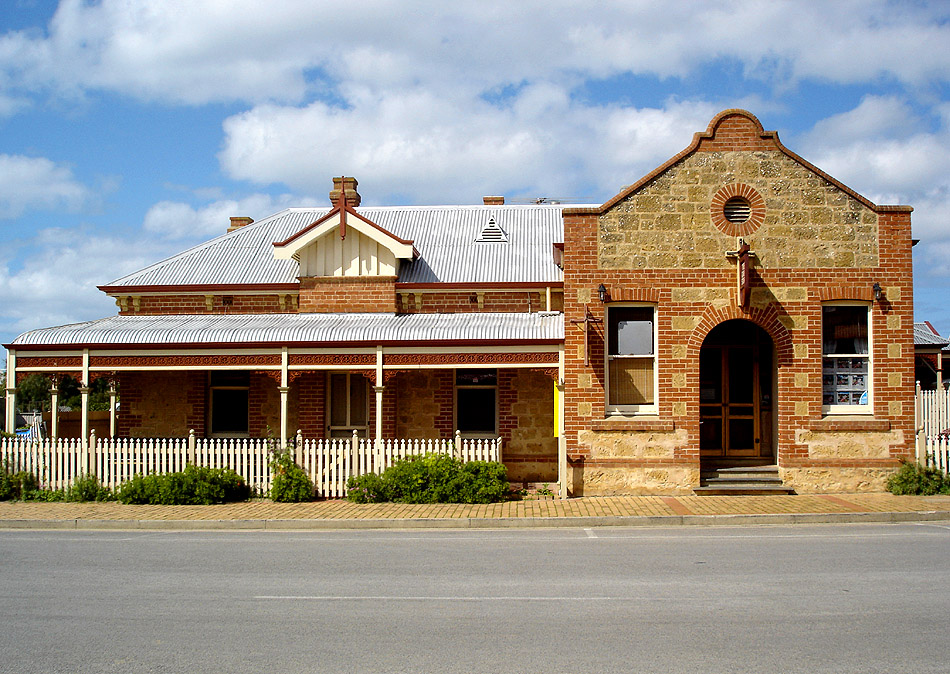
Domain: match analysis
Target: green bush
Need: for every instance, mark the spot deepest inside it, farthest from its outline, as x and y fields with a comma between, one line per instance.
x=432, y=478
x=196, y=485
x=87, y=488
x=290, y=482
x=368, y=488
x=914, y=479
x=15, y=485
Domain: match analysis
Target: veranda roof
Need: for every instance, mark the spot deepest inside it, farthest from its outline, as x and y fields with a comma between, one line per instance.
x=322, y=329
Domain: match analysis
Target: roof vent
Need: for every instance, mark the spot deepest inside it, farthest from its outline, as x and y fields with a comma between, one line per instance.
x=492, y=232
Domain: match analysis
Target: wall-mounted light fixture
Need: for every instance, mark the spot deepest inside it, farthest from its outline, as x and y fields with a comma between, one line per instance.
x=602, y=291
x=878, y=292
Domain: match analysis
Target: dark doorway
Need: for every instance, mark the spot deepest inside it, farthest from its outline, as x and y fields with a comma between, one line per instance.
x=736, y=395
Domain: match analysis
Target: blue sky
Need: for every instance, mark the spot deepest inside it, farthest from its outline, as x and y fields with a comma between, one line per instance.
x=132, y=129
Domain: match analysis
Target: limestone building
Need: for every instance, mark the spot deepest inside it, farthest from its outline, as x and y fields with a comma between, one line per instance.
x=735, y=308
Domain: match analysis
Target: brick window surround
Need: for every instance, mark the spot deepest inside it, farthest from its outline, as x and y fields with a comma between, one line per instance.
x=751, y=196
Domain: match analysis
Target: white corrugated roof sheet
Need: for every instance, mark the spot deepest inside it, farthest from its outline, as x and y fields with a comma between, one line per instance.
x=295, y=328
x=924, y=335
x=445, y=237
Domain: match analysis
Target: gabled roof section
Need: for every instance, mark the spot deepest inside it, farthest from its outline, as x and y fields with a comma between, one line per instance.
x=734, y=129
x=341, y=217
x=925, y=335
x=443, y=235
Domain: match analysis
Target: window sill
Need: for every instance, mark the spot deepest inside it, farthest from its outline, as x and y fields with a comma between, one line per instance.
x=633, y=423
x=849, y=423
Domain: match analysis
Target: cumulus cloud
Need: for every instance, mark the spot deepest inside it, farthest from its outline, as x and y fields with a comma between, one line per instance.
x=36, y=183
x=246, y=50
x=540, y=144
x=890, y=154
x=77, y=260
x=175, y=220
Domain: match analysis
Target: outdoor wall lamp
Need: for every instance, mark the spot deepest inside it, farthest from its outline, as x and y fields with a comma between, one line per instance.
x=602, y=291
x=878, y=293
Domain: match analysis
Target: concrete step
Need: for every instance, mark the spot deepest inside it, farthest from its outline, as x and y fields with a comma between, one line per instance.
x=742, y=480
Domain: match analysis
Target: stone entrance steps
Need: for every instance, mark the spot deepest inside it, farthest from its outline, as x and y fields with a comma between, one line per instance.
x=741, y=480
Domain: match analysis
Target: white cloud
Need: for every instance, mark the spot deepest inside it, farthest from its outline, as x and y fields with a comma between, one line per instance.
x=256, y=51
x=891, y=155
x=174, y=220
x=28, y=183
x=439, y=150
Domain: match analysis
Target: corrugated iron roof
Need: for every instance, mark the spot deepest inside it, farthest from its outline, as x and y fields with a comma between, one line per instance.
x=924, y=335
x=283, y=328
x=445, y=237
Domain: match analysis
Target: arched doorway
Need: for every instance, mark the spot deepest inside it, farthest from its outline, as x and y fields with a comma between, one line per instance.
x=737, y=396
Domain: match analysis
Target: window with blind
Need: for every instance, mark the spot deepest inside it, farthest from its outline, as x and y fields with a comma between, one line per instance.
x=845, y=359
x=631, y=360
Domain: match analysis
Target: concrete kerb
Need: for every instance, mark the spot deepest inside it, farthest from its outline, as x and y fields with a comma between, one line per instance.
x=480, y=523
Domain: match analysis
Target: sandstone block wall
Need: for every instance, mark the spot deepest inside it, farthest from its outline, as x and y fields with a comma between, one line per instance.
x=814, y=242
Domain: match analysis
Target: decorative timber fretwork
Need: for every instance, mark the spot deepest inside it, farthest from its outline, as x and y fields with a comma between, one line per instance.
x=468, y=358
x=388, y=375
x=49, y=361
x=121, y=362
x=293, y=375
x=93, y=376
x=300, y=359
x=273, y=374
x=551, y=372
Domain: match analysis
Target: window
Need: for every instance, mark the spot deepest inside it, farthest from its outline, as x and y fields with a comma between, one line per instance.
x=845, y=362
x=631, y=360
x=349, y=405
x=476, y=402
x=229, y=391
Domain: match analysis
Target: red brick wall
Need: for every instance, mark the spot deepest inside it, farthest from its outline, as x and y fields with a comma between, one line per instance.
x=347, y=294
x=196, y=304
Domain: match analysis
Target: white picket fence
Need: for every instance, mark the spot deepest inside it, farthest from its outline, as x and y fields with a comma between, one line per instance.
x=328, y=462
x=933, y=428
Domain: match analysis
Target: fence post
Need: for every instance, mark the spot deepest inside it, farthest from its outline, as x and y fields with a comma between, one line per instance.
x=457, y=449
x=298, y=447
x=191, y=446
x=89, y=456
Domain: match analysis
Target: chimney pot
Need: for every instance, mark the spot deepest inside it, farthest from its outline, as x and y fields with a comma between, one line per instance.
x=352, y=196
x=238, y=222
x=494, y=201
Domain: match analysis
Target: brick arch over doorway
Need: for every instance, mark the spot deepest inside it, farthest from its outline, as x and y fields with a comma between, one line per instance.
x=766, y=319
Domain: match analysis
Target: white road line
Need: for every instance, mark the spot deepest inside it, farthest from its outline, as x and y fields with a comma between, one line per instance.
x=590, y=533
x=425, y=598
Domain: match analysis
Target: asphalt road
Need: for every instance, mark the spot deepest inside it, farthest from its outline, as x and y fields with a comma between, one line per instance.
x=828, y=598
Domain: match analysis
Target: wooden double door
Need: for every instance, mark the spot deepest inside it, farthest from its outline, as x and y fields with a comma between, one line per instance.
x=735, y=393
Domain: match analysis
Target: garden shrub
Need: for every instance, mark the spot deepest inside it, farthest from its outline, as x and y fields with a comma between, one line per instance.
x=15, y=485
x=914, y=479
x=196, y=485
x=432, y=478
x=290, y=483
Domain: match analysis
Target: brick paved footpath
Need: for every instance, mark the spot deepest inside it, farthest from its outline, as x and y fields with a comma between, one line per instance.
x=599, y=511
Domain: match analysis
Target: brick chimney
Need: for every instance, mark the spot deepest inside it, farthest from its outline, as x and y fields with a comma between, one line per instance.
x=352, y=196
x=494, y=201
x=238, y=222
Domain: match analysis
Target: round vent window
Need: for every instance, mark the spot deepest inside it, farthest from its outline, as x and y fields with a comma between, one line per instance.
x=737, y=210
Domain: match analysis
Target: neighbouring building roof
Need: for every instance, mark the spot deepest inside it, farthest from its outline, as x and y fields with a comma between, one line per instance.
x=446, y=237
x=926, y=336
x=310, y=328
